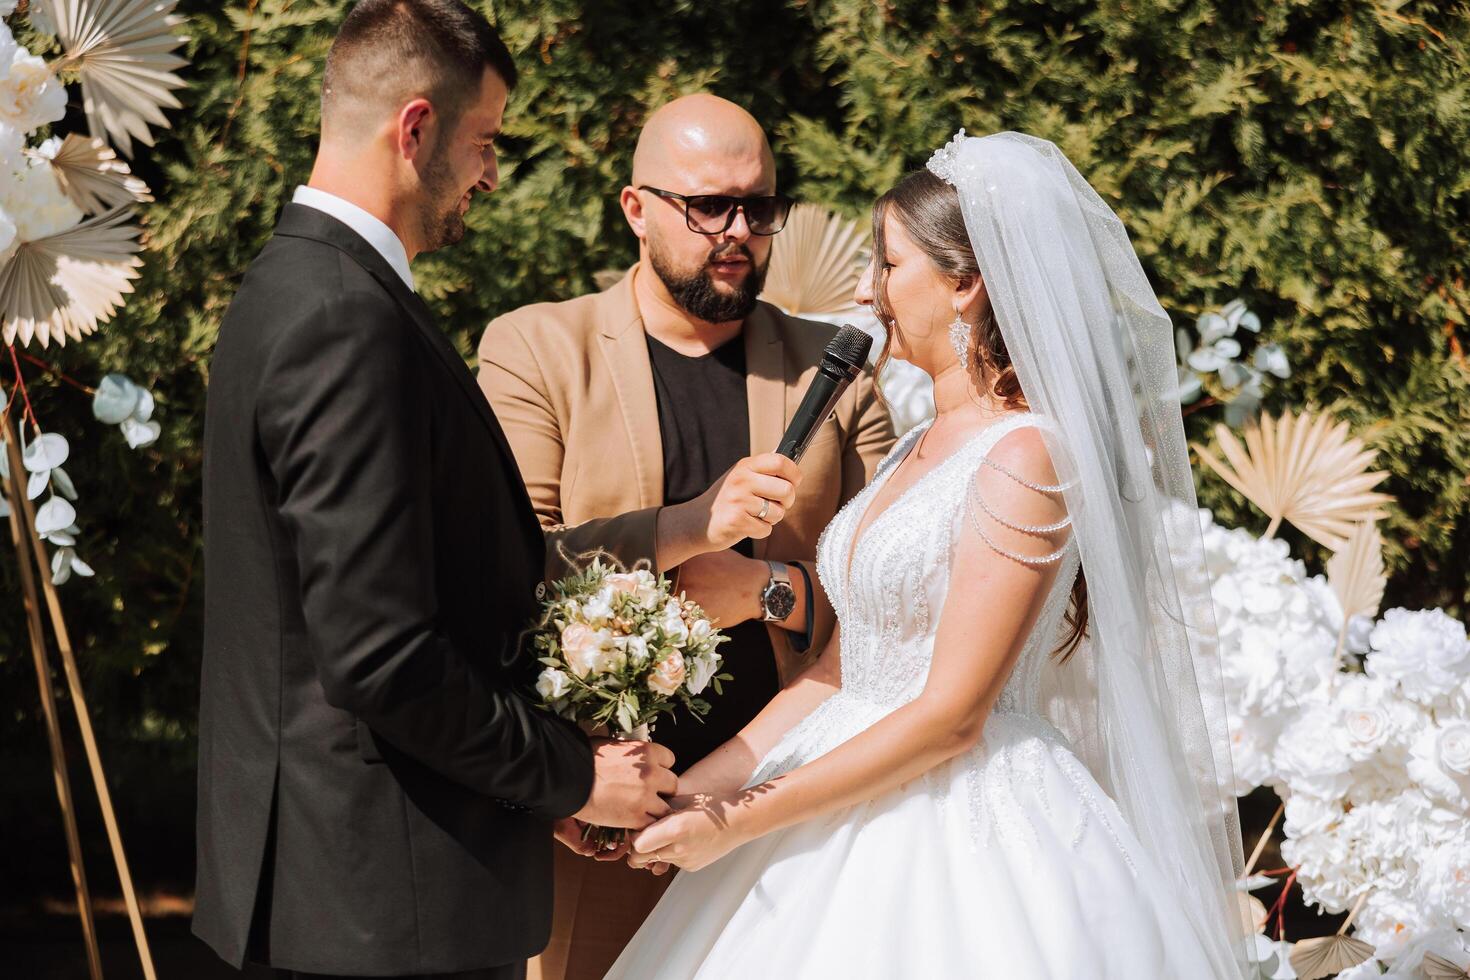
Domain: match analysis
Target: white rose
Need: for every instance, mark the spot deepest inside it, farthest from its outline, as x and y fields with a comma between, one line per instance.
x=700, y=631
x=552, y=684
x=1437, y=762
x=30, y=95
x=701, y=669
x=1425, y=651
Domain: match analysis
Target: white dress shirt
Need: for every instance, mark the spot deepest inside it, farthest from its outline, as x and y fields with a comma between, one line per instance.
x=378, y=235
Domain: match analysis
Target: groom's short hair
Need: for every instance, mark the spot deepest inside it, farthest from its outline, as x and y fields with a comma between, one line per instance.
x=388, y=51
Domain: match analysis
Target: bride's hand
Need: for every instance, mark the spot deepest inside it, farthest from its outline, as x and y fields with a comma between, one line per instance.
x=699, y=832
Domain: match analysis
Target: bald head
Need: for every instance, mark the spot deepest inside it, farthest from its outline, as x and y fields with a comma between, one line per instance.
x=699, y=144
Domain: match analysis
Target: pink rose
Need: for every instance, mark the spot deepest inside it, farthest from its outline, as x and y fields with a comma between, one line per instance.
x=624, y=582
x=582, y=647
x=668, y=675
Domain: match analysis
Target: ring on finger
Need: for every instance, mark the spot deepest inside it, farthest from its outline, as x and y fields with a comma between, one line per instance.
x=765, y=509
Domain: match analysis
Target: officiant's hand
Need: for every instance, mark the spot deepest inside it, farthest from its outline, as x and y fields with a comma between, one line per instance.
x=700, y=831
x=628, y=780
x=750, y=499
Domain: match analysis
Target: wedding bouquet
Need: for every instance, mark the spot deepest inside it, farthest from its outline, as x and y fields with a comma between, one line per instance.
x=619, y=649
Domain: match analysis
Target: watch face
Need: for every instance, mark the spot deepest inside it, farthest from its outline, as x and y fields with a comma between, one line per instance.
x=779, y=600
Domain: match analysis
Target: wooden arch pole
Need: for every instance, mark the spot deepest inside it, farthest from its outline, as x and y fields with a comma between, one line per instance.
x=78, y=698
x=32, y=598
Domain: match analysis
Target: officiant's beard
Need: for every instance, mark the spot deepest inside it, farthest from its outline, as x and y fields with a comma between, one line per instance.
x=696, y=292
x=440, y=219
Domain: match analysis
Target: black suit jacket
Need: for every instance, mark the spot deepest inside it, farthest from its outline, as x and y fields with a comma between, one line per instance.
x=374, y=793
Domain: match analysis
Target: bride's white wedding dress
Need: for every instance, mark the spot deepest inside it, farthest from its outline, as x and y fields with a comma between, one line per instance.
x=1007, y=861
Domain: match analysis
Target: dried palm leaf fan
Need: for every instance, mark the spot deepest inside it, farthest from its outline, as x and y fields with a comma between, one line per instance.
x=1327, y=956
x=63, y=285
x=90, y=173
x=816, y=262
x=123, y=52
x=1302, y=469
x=1436, y=967
x=1356, y=575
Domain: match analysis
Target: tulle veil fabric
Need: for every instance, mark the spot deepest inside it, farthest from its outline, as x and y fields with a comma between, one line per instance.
x=1094, y=353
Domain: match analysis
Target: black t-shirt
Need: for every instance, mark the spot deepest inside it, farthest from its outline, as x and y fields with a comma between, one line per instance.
x=704, y=423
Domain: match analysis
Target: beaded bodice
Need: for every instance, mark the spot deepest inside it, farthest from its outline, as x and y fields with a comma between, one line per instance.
x=889, y=589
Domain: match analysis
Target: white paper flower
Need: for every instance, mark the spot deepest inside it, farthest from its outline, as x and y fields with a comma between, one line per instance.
x=30, y=95
x=1426, y=651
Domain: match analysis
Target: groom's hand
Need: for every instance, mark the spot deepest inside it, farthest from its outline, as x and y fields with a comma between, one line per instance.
x=628, y=779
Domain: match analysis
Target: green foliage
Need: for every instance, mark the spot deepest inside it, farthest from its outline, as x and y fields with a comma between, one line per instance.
x=1311, y=157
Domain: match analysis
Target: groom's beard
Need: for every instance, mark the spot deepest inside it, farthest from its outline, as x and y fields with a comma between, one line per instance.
x=696, y=292
x=441, y=222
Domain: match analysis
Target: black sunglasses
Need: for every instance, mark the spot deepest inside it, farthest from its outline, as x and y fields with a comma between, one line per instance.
x=713, y=214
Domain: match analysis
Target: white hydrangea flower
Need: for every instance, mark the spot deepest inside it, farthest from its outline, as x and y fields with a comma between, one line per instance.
x=1389, y=922
x=1307, y=815
x=36, y=203
x=1252, y=747
x=1445, y=881
x=1327, y=868
x=1310, y=758
x=1425, y=651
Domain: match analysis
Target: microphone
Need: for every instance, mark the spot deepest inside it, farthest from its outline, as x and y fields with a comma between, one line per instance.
x=841, y=363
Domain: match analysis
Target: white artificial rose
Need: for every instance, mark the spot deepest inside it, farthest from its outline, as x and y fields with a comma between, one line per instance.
x=672, y=623
x=1309, y=757
x=30, y=95
x=1425, y=651
x=552, y=684
x=1437, y=763
x=700, y=631
x=701, y=669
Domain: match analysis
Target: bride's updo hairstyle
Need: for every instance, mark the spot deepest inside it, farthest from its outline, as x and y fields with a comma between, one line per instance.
x=929, y=210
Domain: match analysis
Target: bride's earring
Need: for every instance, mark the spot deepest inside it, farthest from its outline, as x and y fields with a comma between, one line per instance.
x=959, y=338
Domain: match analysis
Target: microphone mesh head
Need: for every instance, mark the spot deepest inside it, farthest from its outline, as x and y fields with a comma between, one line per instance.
x=851, y=345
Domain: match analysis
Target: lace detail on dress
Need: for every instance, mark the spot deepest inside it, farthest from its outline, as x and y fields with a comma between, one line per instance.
x=887, y=587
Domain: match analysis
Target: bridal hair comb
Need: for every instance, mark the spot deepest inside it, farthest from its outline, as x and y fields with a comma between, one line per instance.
x=941, y=163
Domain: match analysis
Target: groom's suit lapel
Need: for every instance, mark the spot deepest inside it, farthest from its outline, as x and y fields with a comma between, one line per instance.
x=299, y=221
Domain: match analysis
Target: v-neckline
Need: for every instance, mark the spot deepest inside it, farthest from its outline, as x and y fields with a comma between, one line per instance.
x=864, y=525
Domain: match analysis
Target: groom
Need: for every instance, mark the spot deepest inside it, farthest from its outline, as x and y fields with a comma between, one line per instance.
x=375, y=796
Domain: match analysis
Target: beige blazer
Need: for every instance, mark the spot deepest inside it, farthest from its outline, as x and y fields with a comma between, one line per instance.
x=573, y=388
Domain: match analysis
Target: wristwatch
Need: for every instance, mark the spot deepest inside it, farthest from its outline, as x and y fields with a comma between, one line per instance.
x=778, y=599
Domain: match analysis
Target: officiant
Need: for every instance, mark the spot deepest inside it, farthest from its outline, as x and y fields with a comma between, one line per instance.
x=643, y=419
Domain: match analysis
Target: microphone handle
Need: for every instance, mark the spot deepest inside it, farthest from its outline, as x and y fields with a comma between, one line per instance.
x=821, y=397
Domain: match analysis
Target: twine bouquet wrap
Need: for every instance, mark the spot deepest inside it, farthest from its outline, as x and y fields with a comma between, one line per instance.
x=619, y=649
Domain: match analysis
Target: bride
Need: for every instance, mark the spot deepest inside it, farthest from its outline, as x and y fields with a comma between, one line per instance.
x=1002, y=765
